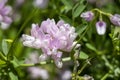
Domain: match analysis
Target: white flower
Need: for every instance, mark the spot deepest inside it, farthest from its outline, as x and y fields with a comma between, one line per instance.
x=101, y=27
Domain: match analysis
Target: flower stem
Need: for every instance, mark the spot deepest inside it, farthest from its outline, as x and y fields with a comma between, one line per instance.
x=81, y=37
x=44, y=62
x=11, y=50
x=101, y=12
x=106, y=75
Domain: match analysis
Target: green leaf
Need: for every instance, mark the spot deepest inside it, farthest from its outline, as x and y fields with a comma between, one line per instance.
x=68, y=4
x=15, y=62
x=9, y=40
x=4, y=47
x=2, y=62
x=2, y=57
x=78, y=8
x=66, y=19
x=13, y=76
x=83, y=55
x=91, y=47
x=81, y=28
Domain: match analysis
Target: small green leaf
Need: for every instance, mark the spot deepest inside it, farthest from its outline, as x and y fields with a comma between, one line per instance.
x=68, y=4
x=2, y=57
x=2, y=62
x=4, y=47
x=91, y=47
x=15, y=62
x=66, y=19
x=81, y=28
x=13, y=76
x=9, y=40
x=78, y=9
x=83, y=55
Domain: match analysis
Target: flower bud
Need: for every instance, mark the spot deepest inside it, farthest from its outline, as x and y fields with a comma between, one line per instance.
x=101, y=27
x=115, y=19
x=88, y=16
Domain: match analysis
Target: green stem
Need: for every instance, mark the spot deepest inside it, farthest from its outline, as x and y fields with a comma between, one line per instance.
x=44, y=62
x=10, y=52
x=106, y=75
x=83, y=67
x=107, y=63
x=101, y=12
x=81, y=37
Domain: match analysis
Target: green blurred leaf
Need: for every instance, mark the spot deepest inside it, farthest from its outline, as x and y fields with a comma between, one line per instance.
x=78, y=8
x=83, y=55
x=2, y=57
x=68, y=4
x=81, y=28
x=4, y=47
x=91, y=47
x=15, y=62
x=9, y=40
x=13, y=76
x=2, y=62
x=66, y=19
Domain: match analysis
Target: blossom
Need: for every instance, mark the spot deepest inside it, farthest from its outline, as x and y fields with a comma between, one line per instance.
x=115, y=19
x=40, y=3
x=88, y=16
x=101, y=27
x=36, y=72
x=67, y=75
x=4, y=14
x=19, y=2
x=100, y=3
x=52, y=38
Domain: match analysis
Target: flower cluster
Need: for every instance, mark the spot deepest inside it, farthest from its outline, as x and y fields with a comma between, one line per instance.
x=5, y=19
x=101, y=25
x=51, y=38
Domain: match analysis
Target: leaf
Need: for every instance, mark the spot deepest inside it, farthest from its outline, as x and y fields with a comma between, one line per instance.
x=2, y=62
x=83, y=55
x=4, y=47
x=81, y=29
x=68, y=4
x=66, y=19
x=15, y=62
x=2, y=57
x=13, y=76
x=9, y=40
x=78, y=8
x=91, y=47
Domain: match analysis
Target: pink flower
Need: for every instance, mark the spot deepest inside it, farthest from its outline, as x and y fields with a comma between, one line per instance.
x=40, y=3
x=4, y=13
x=51, y=38
x=36, y=72
x=88, y=16
x=115, y=19
x=67, y=75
